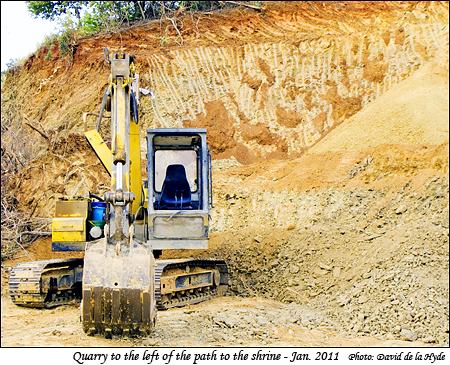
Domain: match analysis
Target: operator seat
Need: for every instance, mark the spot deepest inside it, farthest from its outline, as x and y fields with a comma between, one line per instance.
x=175, y=192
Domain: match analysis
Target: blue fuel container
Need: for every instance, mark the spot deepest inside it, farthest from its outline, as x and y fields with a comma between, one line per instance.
x=98, y=211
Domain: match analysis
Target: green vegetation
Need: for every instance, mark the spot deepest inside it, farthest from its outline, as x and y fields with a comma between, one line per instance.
x=48, y=56
x=94, y=16
x=79, y=19
x=53, y=9
x=85, y=18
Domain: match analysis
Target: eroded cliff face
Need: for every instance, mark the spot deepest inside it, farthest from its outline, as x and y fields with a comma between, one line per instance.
x=277, y=98
x=266, y=85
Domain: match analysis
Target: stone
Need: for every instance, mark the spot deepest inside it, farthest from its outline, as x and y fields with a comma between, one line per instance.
x=343, y=300
x=429, y=339
x=262, y=321
x=401, y=209
x=407, y=335
x=363, y=299
x=314, y=294
x=325, y=267
x=336, y=271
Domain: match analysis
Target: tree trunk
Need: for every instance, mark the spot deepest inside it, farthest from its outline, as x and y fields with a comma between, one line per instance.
x=142, y=10
x=77, y=14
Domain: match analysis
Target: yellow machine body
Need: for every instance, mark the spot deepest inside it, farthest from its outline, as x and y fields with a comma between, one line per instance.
x=70, y=221
x=132, y=180
x=101, y=148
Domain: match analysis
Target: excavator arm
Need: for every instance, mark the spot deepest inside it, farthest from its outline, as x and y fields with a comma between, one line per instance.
x=123, y=160
x=118, y=277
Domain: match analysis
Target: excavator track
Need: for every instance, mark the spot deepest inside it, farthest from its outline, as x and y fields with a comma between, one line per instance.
x=193, y=281
x=29, y=282
x=46, y=284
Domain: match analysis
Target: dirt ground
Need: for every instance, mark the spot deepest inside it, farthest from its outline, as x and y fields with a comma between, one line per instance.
x=329, y=130
x=227, y=321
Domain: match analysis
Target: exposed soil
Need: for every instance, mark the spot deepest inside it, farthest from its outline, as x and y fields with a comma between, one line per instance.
x=228, y=321
x=328, y=124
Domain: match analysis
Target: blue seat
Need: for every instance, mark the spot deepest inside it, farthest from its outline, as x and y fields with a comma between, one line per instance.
x=175, y=192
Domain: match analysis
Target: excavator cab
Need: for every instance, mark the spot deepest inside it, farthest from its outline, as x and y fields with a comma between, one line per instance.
x=179, y=190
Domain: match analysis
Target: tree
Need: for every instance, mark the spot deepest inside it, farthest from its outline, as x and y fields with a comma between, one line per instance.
x=118, y=10
x=94, y=16
x=54, y=9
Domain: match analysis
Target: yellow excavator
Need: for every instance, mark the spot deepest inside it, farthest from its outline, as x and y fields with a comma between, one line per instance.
x=121, y=281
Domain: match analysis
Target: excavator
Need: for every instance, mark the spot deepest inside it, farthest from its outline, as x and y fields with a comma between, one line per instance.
x=122, y=281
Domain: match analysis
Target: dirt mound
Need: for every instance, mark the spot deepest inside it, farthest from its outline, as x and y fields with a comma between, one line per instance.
x=365, y=257
x=356, y=227
x=414, y=112
x=373, y=168
x=221, y=322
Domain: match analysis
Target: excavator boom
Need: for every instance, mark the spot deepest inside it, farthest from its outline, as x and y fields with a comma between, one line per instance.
x=118, y=277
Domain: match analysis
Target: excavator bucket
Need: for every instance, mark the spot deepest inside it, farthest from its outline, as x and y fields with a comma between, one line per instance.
x=118, y=289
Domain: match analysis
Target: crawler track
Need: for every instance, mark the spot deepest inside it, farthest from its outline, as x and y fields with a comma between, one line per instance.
x=189, y=295
x=46, y=284
x=51, y=283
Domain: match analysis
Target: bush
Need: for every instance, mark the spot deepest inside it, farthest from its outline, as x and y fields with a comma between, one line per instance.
x=48, y=56
x=67, y=39
x=89, y=25
x=13, y=65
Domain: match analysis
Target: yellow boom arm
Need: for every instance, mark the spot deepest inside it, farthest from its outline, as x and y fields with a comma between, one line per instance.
x=125, y=141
